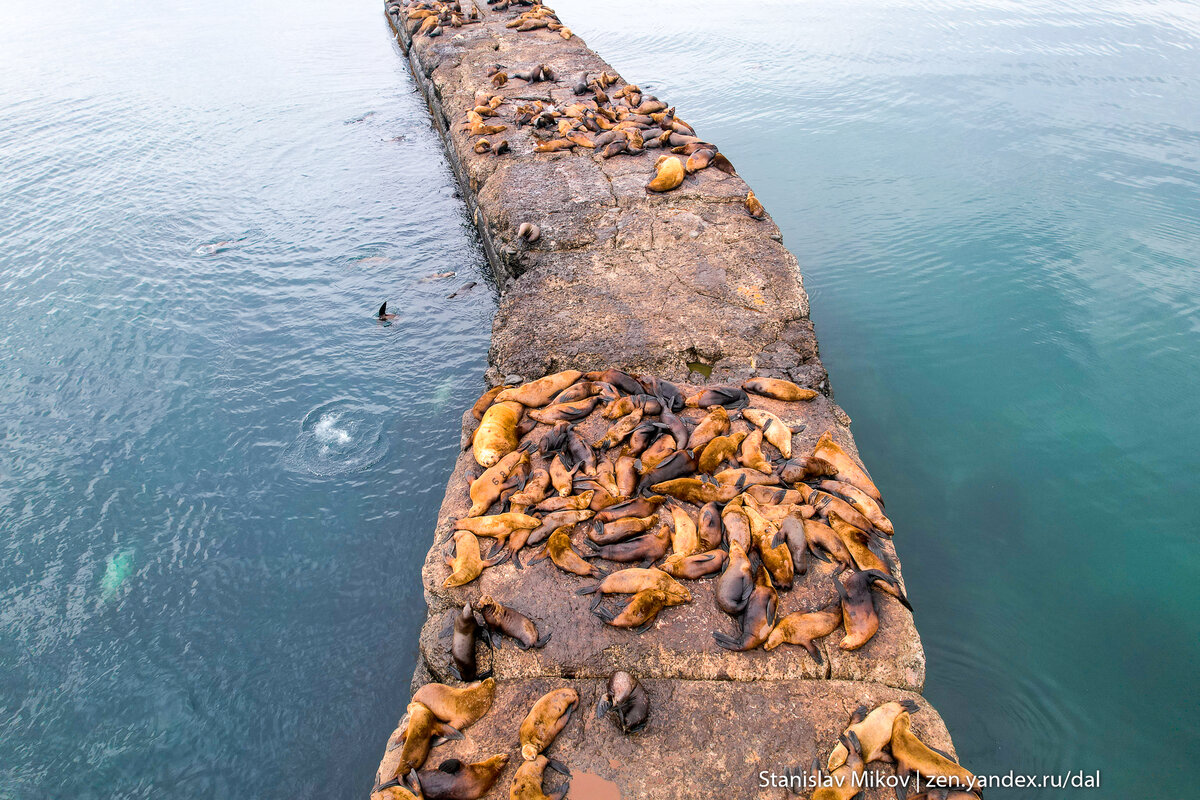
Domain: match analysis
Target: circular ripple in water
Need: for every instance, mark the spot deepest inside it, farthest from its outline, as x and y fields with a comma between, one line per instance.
x=337, y=437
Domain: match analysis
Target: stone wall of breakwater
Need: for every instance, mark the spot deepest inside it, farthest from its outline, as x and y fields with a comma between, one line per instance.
x=553, y=152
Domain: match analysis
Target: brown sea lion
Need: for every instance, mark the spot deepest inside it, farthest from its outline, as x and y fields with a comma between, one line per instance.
x=581, y=453
x=718, y=450
x=496, y=435
x=486, y=489
x=622, y=529
x=803, y=628
x=740, y=479
x=555, y=520
x=467, y=564
x=627, y=476
x=823, y=542
x=825, y=503
x=736, y=583
x=394, y=793
x=778, y=389
x=858, y=607
x=575, y=502
x=715, y=424
x=858, y=543
x=637, y=579
x=695, y=566
x=453, y=780
x=536, y=394
x=848, y=470
x=757, y=619
x=913, y=755
x=772, y=549
x=510, y=622
x=648, y=547
x=410, y=743
x=637, y=507
x=874, y=731
x=753, y=207
x=685, y=540
x=737, y=526
x=805, y=468
x=709, y=528
x=750, y=454
x=585, y=389
x=724, y=396
x=561, y=476
x=626, y=700
x=640, y=612
x=676, y=465
x=537, y=486
x=669, y=174
x=773, y=429
x=458, y=706
x=497, y=526
x=527, y=782
x=485, y=400
x=846, y=781
x=558, y=549
x=565, y=411
x=791, y=530
x=620, y=430
x=862, y=502
x=549, y=715
x=699, y=159
x=462, y=646
x=622, y=380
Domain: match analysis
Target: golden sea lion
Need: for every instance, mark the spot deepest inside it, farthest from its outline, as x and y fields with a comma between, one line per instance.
x=773, y=429
x=637, y=579
x=496, y=435
x=772, y=549
x=753, y=207
x=620, y=430
x=874, y=731
x=485, y=400
x=695, y=566
x=486, y=489
x=847, y=780
x=558, y=549
x=640, y=612
x=737, y=525
x=913, y=755
x=575, y=502
x=804, y=468
x=715, y=424
x=467, y=564
x=741, y=479
x=699, y=159
x=510, y=622
x=497, y=526
x=858, y=543
x=527, y=782
x=654, y=455
x=825, y=504
x=758, y=618
x=803, y=628
x=453, y=780
x=670, y=174
x=750, y=455
x=461, y=706
x=862, y=502
x=718, y=450
x=536, y=394
x=847, y=468
x=584, y=389
x=546, y=720
x=709, y=528
x=394, y=793
x=685, y=540
x=410, y=743
x=565, y=411
x=822, y=541
x=562, y=477
x=553, y=521
x=779, y=389
x=627, y=476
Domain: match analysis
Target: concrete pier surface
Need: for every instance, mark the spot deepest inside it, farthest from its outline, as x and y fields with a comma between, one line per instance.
x=598, y=272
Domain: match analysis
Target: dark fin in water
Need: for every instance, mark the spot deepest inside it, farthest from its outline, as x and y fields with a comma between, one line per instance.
x=382, y=310
x=943, y=754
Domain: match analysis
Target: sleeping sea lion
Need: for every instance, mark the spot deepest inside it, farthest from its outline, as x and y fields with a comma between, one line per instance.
x=669, y=174
x=825, y=504
x=527, y=782
x=778, y=389
x=486, y=489
x=715, y=424
x=537, y=486
x=709, y=528
x=546, y=720
x=725, y=396
x=639, y=613
x=874, y=731
x=858, y=607
x=461, y=706
x=510, y=622
x=637, y=507
x=820, y=540
x=467, y=564
x=496, y=435
x=695, y=566
x=565, y=411
x=736, y=582
x=773, y=429
x=757, y=619
x=803, y=628
x=750, y=454
x=676, y=465
x=648, y=547
x=626, y=700
x=848, y=470
x=536, y=394
x=558, y=549
x=913, y=755
x=862, y=502
x=718, y=450
x=453, y=780
x=485, y=400
x=637, y=579
x=621, y=529
x=410, y=743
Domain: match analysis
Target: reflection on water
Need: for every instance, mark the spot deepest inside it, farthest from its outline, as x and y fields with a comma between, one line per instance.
x=994, y=206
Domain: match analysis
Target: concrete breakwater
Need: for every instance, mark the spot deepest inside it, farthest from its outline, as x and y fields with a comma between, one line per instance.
x=683, y=286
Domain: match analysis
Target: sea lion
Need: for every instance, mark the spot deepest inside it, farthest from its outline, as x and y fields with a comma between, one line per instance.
x=462, y=645
x=626, y=700
x=724, y=396
x=820, y=540
x=654, y=455
x=394, y=793
x=537, y=486
x=737, y=526
x=565, y=411
x=750, y=454
x=736, y=583
x=669, y=175
x=740, y=479
x=575, y=502
x=485, y=400
x=718, y=450
x=555, y=520
x=803, y=628
x=825, y=504
x=536, y=394
x=621, y=529
x=554, y=439
x=699, y=160
x=410, y=743
x=779, y=389
x=383, y=315
x=461, y=706
x=486, y=489
x=585, y=389
x=627, y=476
x=646, y=433
x=848, y=470
x=637, y=579
x=874, y=731
x=858, y=543
x=650, y=406
x=695, y=566
x=758, y=618
x=639, y=613
x=715, y=424
x=510, y=622
x=546, y=720
x=467, y=564
x=846, y=782
x=529, y=232
x=753, y=207
x=558, y=549
x=648, y=547
x=858, y=607
x=637, y=507
x=676, y=465
x=791, y=530
x=772, y=549
x=804, y=468
x=913, y=755
x=695, y=490
x=562, y=477
x=709, y=528
x=620, y=430
x=622, y=380
x=862, y=502
x=685, y=540
x=773, y=429
x=496, y=435
x=581, y=453
x=497, y=526
x=773, y=495
x=664, y=390
x=527, y=782
x=453, y=780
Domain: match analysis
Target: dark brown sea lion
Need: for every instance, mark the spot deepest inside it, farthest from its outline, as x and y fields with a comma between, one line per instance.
x=858, y=607
x=510, y=622
x=585, y=389
x=485, y=400
x=546, y=720
x=565, y=411
x=675, y=426
x=825, y=503
x=462, y=645
x=626, y=700
x=758, y=618
x=778, y=388
x=453, y=780
x=581, y=453
x=803, y=628
x=637, y=507
x=862, y=502
x=649, y=547
x=622, y=380
x=621, y=529
x=804, y=468
x=695, y=566
x=725, y=396
x=736, y=583
x=665, y=390
x=709, y=527
x=555, y=438
x=460, y=707
x=676, y=465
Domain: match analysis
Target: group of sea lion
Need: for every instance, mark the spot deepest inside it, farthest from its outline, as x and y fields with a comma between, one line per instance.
x=430, y=17
x=885, y=734
x=481, y=620
x=671, y=488
x=440, y=712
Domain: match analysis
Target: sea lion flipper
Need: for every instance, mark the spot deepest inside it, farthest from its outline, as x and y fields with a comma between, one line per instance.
x=558, y=766
x=541, y=642
x=589, y=589
x=602, y=706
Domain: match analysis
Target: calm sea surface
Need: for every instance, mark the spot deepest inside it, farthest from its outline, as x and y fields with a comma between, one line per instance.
x=218, y=474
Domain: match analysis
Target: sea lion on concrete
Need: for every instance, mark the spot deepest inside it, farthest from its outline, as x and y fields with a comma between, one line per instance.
x=718, y=450
x=485, y=400
x=486, y=489
x=750, y=454
x=858, y=607
x=709, y=428
x=562, y=477
x=804, y=468
x=650, y=406
x=803, y=628
x=467, y=564
x=575, y=502
x=725, y=396
x=554, y=439
x=637, y=579
x=862, y=502
x=639, y=613
x=510, y=622
x=565, y=411
x=546, y=720
x=791, y=530
x=685, y=540
x=536, y=394
x=773, y=429
x=848, y=470
x=664, y=390
x=557, y=519
x=558, y=549
x=676, y=465
x=581, y=453
x=648, y=547
x=621, y=529
x=874, y=731
x=753, y=207
x=822, y=541
x=527, y=782
x=758, y=618
x=462, y=646
x=529, y=232
x=825, y=503
x=394, y=793
x=778, y=388
x=737, y=525
x=537, y=486
x=654, y=455
x=620, y=430
x=627, y=476
x=695, y=490
x=846, y=781
x=913, y=755
x=709, y=528
x=740, y=479
x=637, y=507
x=695, y=566
x=497, y=526
x=410, y=743
x=858, y=543
x=772, y=549
x=461, y=706
x=615, y=377
x=496, y=435
x=453, y=780
x=585, y=389
x=773, y=495
x=736, y=583
x=669, y=175
x=626, y=700
x=646, y=433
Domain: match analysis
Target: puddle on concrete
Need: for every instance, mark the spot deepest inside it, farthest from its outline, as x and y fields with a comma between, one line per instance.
x=700, y=368
x=586, y=786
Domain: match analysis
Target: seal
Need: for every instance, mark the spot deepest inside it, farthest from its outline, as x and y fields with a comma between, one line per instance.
x=676, y=465
x=778, y=389
x=736, y=582
x=803, y=628
x=715, y=424
x=858, y=608
x=394, y=793
x=758, y=618
x=862, y=502
x=753, y=207
x=848, y=470
x=622, y=380
x=727, y=396
x=858, y=543
x=565, y=411
x=496, y=435
x=669, y=175
x=805, y=468
x=772, y=549
x=637, y=579
x=874, y=731
x=460, y=707
x=773, y=429
x=694, y=566
x=487, y=488
x=536, y=394
x=549, y=715
x=637, y=507
x=649, y=547
x=562, y=555
x=527, y=782
x=467, y=564
x=453, y=780
x=709, y=528
x=820, y=540
x=537, y=486
x=462, y=645
x=510, y=622
x=620, y=430
x=497, y=526
x=718, y=450
x=585, y=389
x=750, y=455
x=913, y=755
x=640, y=612
x=622, y=529
x=695, y=490
x=626, y=700
x=826, y=504
x=574, y=502
x=410, y=743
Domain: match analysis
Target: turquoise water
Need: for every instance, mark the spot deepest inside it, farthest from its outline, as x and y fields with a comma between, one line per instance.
x=996, y=207
x=218, y=473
